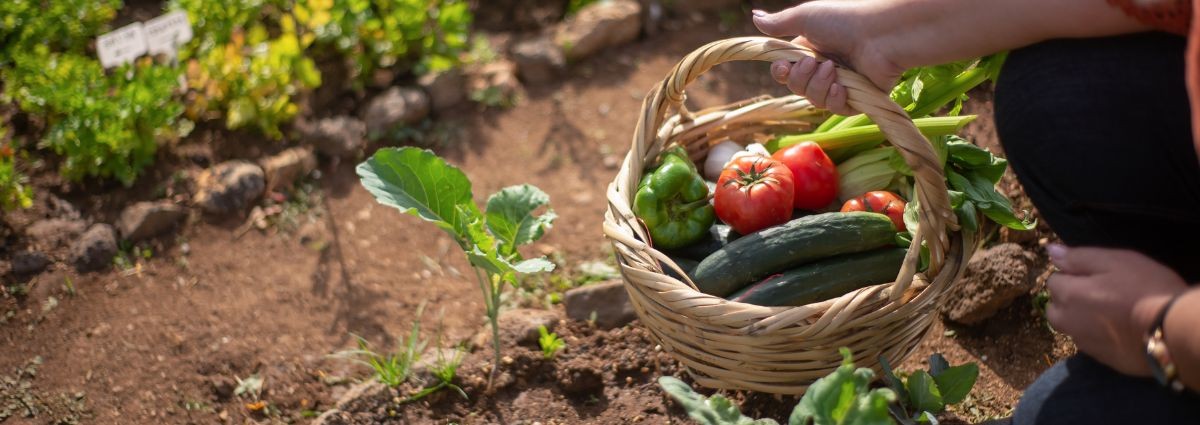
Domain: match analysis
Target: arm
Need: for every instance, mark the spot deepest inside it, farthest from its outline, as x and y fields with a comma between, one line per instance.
x=882, y=38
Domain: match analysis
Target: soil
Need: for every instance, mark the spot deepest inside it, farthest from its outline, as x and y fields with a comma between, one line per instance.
x=167, y=339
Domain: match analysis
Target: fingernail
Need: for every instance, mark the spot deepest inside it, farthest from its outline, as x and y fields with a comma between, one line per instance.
x=779, y=70
x=826, y=69
x=807, y=65
x=1057, y=252
x=835, y=89
x=758, y=13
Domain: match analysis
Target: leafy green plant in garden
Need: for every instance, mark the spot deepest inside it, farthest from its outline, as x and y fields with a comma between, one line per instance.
x=237, y=68
x=13, y=191
x=550, y=343
x=444, y=370
x=844, y=397
x=59, y=26
x=103, y=125
x=409, y=35
x=923, y=394
x=419, y=183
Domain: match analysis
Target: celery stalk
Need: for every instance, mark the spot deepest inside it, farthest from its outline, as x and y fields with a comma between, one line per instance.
x=840, y=144
x=930, y=102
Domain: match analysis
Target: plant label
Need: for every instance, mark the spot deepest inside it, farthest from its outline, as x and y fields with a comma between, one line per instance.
x=166, y=33
x=122, y=45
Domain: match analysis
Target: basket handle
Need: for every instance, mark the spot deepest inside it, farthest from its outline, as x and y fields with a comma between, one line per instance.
x=936, y=215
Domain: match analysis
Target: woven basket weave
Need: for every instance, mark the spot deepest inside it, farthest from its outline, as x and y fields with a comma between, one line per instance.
x=781, y=350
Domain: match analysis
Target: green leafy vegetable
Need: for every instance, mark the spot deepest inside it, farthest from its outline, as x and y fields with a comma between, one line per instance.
x=715, y=410
x=421, y=184
x=844, y=397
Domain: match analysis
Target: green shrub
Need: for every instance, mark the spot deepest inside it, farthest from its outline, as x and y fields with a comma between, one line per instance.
x=13, y=192
x=102, y=125
x=238, y=70
x=409, y=35
x=59, y=25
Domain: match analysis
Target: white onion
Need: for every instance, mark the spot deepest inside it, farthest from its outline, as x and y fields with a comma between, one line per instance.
x=718, y=156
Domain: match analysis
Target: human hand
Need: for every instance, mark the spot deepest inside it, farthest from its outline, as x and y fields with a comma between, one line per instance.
x=1106, y=300
x=839, y=30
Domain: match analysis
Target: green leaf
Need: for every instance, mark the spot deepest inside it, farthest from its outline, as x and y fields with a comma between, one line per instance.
x=510, y=216
x=956, y=382
x=889, y=377
x=835, y=397
x=871, y=409
x=716, y=410
x=982, y=192
x=419, y=183
x=534, y=265
x=965, y=155
x=927, y=418
x=923, y=393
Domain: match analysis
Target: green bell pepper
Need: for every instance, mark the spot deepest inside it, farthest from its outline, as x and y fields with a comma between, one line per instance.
x=673, y=202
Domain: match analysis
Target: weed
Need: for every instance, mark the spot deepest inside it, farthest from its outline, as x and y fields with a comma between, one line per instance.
x=390, y=369
x=550, y=343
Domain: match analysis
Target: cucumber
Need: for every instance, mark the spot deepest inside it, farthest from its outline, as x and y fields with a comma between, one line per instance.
x=760, y=254
x=718, y=236
x=824, y=279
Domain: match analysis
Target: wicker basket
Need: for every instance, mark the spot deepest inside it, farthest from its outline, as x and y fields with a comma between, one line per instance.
x=781, y=350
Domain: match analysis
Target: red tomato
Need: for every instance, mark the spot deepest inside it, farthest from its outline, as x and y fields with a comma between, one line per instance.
x=753, y=193
x=813, y=173
x=882, y=202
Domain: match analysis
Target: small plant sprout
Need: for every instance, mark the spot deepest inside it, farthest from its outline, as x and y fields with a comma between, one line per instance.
x=444, y=369
x=390, y=369
x=419, y=183
x=550, y=343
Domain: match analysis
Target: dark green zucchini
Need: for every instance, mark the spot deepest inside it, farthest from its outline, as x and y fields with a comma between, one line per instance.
x=718, y=236
x=824, y=279
x=753, y=257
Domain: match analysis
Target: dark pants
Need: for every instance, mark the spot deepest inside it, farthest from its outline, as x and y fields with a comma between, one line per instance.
x=1099, y=133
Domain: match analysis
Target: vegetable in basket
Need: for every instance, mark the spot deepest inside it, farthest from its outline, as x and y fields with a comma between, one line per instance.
x=882, y=202
x=824, y=279
x=673, y=202
x=813, y=174
x=753, y=193
x=807, y=239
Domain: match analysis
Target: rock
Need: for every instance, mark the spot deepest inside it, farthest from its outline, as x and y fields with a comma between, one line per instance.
x=517, y=326
x=394, y=109
x=538, y=60
x=360, y=396
x=577, y=377
x=228, y=187
x=145, y=220
x=337, y=137
x=608, y=300
x=499, y=76
x=94, y=250
x=29, y=262
x=53, y=233
x=445, y=88
x=284, y=168
x=993, y=279
x=57, y=207
x=598, y=26
x=222, y=387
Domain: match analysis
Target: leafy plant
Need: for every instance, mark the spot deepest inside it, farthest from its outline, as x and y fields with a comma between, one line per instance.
x=246, y=63
x=573, y=6
x=444, y=370
x=409, y=35
x=102, y=125
x=419, y=183
x=390, y=369
x=844, y=397
x=58, y=26
x=550, y=343
x=13, y=191
x=923, y=394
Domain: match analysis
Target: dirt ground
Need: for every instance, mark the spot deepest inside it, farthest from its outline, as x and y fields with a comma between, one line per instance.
x=165, y=342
